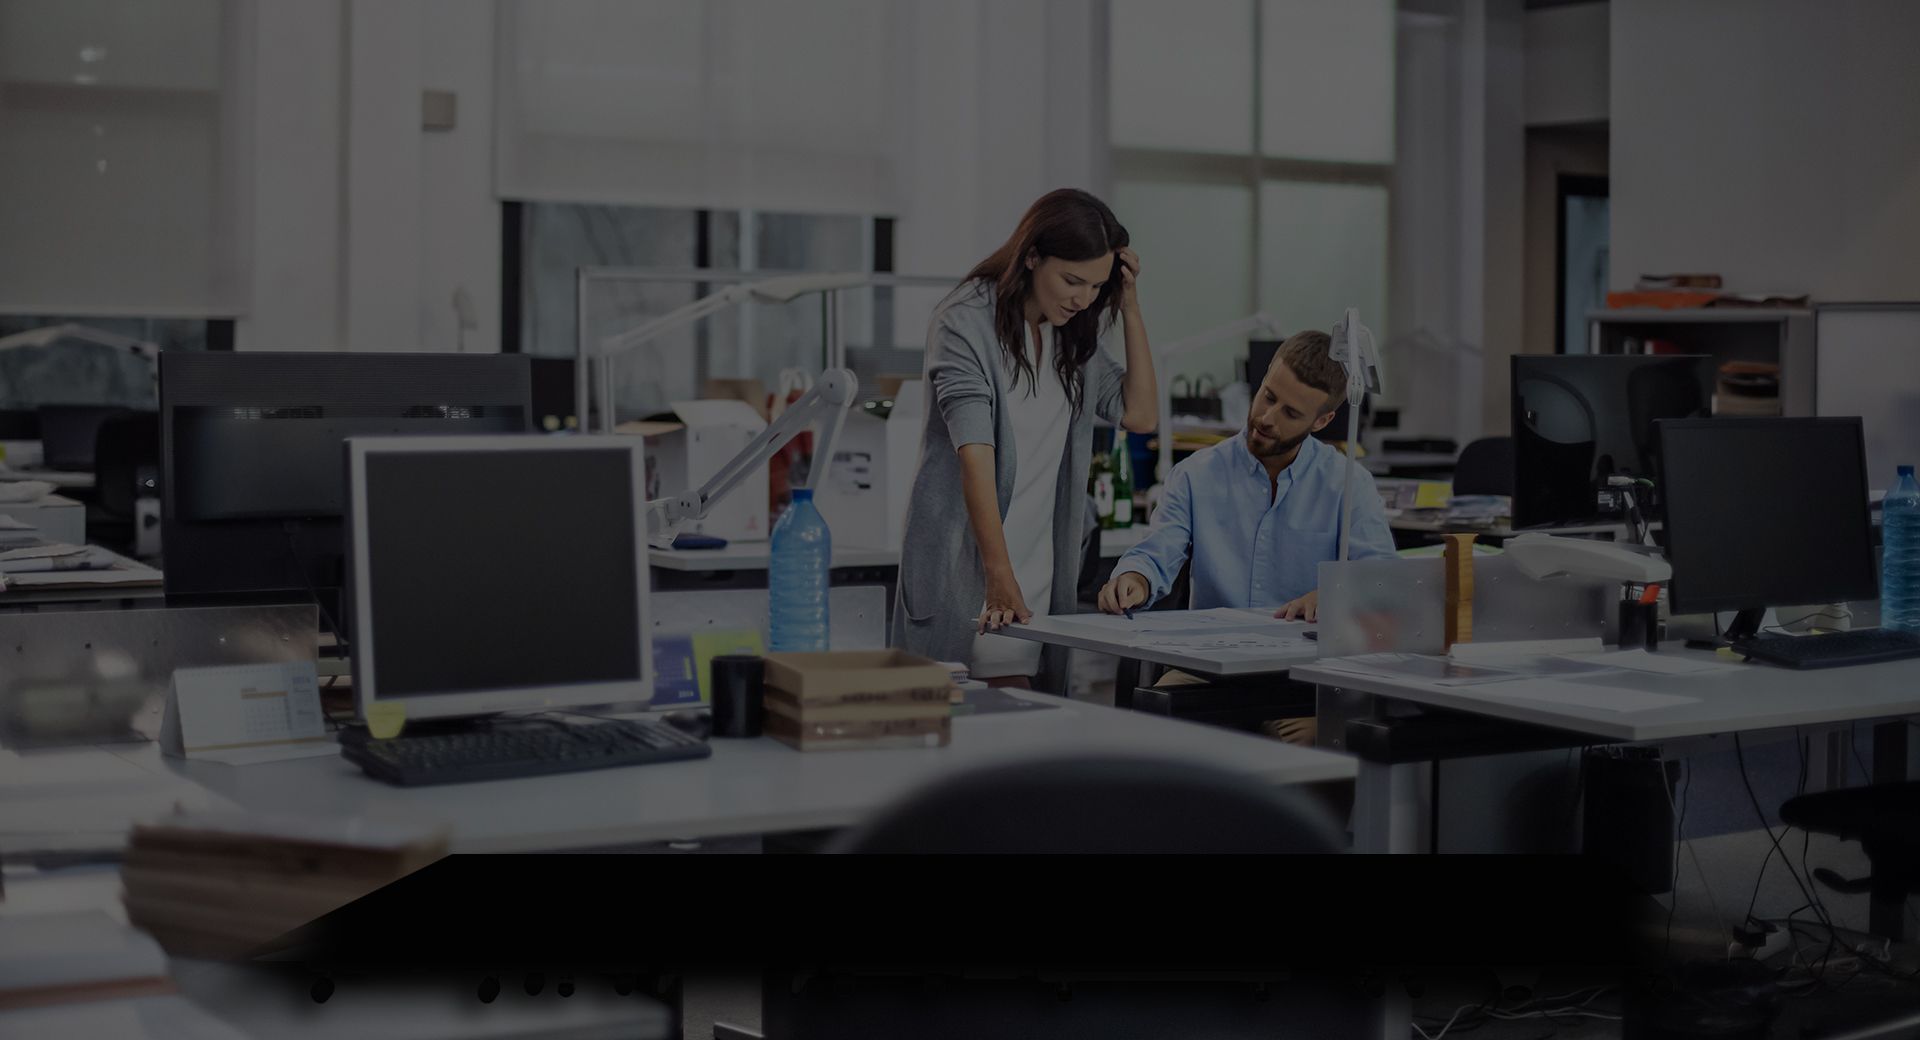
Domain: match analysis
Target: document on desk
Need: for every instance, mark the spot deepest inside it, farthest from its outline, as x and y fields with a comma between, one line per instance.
x=1666, y=664
x=1439, y=671
x=1582, y=695
x=1164, y=622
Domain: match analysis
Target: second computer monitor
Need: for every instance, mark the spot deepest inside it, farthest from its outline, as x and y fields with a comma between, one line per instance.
x=1766, y=513
x=1579, y=419
x=498, y=573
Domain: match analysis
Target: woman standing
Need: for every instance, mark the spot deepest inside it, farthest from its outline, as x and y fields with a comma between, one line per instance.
x=1016, y=374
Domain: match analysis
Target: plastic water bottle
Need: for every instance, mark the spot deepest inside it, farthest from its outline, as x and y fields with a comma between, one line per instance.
x=797, y=578
x=1900, y=555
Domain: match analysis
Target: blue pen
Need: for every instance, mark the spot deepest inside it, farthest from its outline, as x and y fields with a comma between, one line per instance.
x=1128, y=611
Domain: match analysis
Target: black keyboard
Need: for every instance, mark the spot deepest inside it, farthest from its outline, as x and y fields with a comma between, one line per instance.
x=520, y=748
x=1832, y=649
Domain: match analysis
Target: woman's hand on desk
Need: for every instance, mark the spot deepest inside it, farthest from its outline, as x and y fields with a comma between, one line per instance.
x=1306, y=608
x=1123, y=593
x=1005, y=605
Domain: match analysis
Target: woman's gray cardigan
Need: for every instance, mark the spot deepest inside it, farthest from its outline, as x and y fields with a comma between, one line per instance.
x=941, y=584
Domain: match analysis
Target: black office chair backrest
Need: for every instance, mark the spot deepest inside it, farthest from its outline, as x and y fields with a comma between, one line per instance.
x=67, y=433
x=1098, y=805
x=1485, y=468
x=127, y=461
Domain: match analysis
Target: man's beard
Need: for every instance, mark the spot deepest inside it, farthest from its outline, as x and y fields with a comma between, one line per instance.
x=1278, y=448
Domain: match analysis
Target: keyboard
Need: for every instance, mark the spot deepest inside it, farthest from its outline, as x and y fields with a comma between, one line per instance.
x=518, y=749
x=1831, y=649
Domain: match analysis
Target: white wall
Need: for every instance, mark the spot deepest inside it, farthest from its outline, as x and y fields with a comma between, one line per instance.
x=1567, y=64
x=364, y=225
x=1771, y=141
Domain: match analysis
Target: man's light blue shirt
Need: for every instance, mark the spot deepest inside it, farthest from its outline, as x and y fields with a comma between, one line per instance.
x=1251, y=547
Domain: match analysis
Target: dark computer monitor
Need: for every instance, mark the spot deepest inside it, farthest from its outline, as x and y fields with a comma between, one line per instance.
x=468, y=601
x=555, y=395
x=1765, y=513
x=1578, y=419
x=253, y=483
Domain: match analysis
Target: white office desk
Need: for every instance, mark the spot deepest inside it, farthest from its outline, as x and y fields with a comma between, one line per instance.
x=746, y=787
x=755, y=556
x=1112, y=637
x=1758, y=697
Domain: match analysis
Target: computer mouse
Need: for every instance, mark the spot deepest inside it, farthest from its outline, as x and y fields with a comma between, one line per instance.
x=695, y=723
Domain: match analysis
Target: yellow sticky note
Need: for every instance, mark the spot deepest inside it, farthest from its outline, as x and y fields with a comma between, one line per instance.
x=384, y=719
x=1432, y=494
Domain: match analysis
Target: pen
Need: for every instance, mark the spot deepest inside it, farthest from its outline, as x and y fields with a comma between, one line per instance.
x=1127, y=611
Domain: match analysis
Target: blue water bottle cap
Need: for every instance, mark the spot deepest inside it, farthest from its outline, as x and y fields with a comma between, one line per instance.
x=1906, y=471
x=806, y=494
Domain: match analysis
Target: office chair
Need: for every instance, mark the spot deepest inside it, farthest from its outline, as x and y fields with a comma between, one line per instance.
x=1485, y=468
x=67, y=433
x=1885, y=820
x=1098, y=804
x=19, y=424
x=127, y=477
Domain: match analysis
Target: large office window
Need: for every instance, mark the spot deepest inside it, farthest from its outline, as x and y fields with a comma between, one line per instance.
x=1252, y=150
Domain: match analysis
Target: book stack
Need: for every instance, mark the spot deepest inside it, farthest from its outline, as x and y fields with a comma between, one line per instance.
x=858, y=700
x=224, y=884
x=84, y=974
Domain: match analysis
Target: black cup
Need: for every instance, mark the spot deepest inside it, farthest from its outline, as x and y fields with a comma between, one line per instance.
x=1639, y=625
x=739, y=709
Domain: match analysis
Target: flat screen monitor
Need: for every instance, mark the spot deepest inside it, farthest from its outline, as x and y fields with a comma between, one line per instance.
x=498, y=573
x=1578, y=419
x=1766, y=513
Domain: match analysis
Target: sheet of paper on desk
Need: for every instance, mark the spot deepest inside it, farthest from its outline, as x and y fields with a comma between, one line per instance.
x=1437, y=670
x=1581, y=695
x=1666, y=663
x=1154, y=622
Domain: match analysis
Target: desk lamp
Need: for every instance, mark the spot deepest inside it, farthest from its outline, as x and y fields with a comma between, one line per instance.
x=826, y=403
x=1353, y=347
x=1545, y=556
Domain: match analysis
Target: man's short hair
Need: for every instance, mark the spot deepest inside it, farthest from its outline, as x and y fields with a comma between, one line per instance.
x=1309, y=356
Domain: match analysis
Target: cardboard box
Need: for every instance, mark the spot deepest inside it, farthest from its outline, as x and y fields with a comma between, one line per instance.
x=780, y=702
x=683, y=455
x=858, y=676
x=59, y=519
x=857, y=736
x=864, y=499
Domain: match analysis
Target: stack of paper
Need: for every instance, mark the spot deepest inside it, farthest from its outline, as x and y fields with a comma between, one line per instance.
x=87, y=975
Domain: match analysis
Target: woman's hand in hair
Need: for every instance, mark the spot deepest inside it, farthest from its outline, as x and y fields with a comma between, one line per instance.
x=1129, y=275
x=1005, y=605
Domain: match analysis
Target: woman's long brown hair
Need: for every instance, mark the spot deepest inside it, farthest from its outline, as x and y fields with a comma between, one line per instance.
x=1072, y=225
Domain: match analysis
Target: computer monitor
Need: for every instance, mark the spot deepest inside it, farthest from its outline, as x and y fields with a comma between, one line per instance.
x=253, y=486
x=1578, y=419
x=1765, y=513
x=498, y=573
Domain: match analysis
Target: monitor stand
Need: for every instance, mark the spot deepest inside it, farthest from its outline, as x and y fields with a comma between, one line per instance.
x=1746, y=625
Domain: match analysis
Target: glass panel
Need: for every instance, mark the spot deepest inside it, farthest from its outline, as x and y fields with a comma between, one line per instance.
x=1585, y=288
x=1326, y=79
x=1196, y=248
x=1181, y=75
x=1323, y=248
